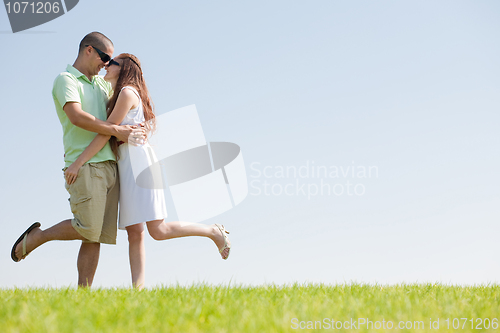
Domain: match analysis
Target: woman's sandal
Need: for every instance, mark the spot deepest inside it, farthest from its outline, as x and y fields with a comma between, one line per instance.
x=224, y=232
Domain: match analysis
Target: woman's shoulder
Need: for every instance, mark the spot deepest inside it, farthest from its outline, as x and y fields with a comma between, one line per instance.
x=129, y=91
x=129, y=95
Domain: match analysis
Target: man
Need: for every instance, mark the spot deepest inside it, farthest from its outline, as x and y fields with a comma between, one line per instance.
x=80, y=98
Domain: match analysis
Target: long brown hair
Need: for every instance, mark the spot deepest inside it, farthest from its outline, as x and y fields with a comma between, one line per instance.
x=131, y=75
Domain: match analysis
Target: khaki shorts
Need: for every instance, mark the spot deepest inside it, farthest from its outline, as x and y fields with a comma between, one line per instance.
x=94, y=201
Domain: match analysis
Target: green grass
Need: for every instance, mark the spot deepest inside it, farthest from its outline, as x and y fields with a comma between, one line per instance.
x=203, y=308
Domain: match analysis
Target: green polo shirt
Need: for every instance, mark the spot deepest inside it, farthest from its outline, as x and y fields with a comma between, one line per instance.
x=73, y=86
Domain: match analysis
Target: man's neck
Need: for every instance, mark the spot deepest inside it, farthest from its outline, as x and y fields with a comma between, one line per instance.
x=79, y=65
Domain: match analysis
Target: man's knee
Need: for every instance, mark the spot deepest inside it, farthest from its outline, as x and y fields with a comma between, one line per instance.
x=88, y=248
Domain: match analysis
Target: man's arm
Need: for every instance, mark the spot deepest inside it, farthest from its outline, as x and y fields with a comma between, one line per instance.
x=88, y=122
x=125, y=102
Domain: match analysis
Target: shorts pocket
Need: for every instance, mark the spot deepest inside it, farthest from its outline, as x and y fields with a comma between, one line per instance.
x=79, y=205
x=79, y=200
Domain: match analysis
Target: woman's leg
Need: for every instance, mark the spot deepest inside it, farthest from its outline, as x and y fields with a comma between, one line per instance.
x=137, y=254
x=160, y=230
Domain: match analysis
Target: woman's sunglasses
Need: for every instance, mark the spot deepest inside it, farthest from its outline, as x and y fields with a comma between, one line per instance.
x=112, y=62
x=104, y=56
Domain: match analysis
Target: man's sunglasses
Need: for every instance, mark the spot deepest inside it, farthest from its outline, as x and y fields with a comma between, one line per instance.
x=104, y=56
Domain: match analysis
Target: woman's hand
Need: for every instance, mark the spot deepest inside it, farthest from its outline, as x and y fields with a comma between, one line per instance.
x=71, y=173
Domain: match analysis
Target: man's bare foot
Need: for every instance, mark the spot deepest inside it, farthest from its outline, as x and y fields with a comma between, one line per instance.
x=219, y=237
x=30, y=243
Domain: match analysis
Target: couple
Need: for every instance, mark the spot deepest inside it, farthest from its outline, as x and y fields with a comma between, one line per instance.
x=98, y=169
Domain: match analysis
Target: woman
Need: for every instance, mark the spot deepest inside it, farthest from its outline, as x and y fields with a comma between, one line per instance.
x=131, y=105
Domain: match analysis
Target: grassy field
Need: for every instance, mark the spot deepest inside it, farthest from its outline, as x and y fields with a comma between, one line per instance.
x=203, y=308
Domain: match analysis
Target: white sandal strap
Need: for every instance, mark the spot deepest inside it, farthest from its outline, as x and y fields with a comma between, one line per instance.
x=223, y=231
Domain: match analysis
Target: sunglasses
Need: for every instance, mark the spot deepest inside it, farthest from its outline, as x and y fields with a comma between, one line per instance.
x=113, y=62
x=104, y=56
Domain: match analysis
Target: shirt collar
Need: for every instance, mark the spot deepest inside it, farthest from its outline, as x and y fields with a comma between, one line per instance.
x=77, y=73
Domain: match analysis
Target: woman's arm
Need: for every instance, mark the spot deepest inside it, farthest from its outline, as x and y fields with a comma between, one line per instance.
x=126, y=101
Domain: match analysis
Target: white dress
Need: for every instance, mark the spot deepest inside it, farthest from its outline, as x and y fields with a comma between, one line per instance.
x=138, y=204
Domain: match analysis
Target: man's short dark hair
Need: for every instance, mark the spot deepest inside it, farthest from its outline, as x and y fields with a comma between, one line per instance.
x=95, y=39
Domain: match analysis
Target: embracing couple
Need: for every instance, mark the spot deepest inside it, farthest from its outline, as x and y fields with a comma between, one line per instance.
x=102, y=120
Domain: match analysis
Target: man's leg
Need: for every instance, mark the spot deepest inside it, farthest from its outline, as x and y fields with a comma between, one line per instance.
x=88, y=257
x=88, y=194
x=97, y=215
x=61, y=231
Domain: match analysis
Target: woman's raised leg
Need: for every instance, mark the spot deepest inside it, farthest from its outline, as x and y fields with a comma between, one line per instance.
x=160, y=230
x=137, y=254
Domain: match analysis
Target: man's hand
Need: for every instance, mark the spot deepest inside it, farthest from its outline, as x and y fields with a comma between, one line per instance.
x=72, y=172
x=131, y=134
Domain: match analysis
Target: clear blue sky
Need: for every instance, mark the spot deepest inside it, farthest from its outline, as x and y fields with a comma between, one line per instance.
x=409, y=87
